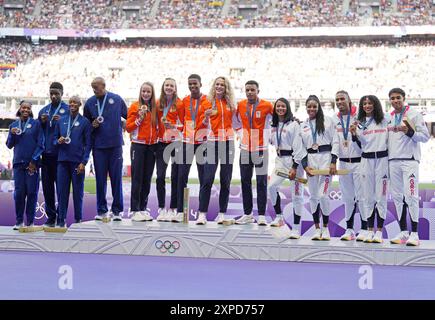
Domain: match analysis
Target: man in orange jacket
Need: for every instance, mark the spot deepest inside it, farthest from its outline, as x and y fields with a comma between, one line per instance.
x=254, y=116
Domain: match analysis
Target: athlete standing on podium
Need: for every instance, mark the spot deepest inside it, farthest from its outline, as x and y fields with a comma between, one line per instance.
x=350, y=158
x=72, y=136
x=27, y=139
x=104, y=110
x=319, y=138
x=286, y=137
x=253, y=127
x=48, y=117
x=404, y=157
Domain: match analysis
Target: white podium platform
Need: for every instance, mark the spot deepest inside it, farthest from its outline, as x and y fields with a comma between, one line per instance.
x=212, y=241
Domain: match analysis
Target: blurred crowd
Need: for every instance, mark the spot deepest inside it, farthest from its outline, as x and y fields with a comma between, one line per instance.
x=97, y=14
x=283, y=68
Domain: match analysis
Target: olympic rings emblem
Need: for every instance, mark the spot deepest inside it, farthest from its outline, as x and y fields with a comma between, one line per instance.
x=167, y=246
x=335, y=195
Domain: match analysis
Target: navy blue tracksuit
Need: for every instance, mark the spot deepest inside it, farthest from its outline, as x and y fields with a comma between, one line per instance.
x=107, y=144
x=27, y=147
x=49, y=159
x=69, y=158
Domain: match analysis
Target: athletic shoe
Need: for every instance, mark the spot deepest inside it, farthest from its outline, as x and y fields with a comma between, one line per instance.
x=220, y=218
x=401, y=238
x=137, y=216
x=349, y=235
x=78, y=221
x=162, y=214
x=202, y=219
x=413, y=240
x=18, y=226
x=378, y=237
x=245, y=219
x=294, y=233
x=117, y=217
x=317, y=235
x=362, y=235
x=325, y=234
x=178, y=217
x=100, y=217
x=369, y=237
x=278, y=222
x=262, y=220
x=146, y=215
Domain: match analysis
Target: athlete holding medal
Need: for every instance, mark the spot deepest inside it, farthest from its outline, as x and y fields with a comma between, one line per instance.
x=319, y=138
x=72, y=135
x=105, y=110
x=48, y=116
x=350, y=159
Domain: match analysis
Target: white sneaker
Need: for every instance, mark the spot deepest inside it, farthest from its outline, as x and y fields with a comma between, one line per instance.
x=378, y=237
x=117, y=217
x=137, y=216
x=146, y=215
x=18, y=226
x=99, y=217
x=177, y=217
x=171, y=214
x=278, y=222
x=362, y=235
x=220, y=218
x=349, y=235
x=369, y=237
x=401, y=238
x=245, y=219
x=413, y=240
x=317, y=235
x=162, y=214
x=202, y=219
x=294, y=233
x=325, y=234
x=261, y=221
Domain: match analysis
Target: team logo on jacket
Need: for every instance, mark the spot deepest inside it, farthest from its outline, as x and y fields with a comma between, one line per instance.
x=111, y=101
x=76, y=124
x=62, y=111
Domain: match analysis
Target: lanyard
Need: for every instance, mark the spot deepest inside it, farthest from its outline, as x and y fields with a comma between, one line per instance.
x=193, y=114
x=345, y=130
x=21, y=125
x=366, y=123
x=398, y=120
x=278, y=136
x=55, y=112
x=313, y=131
x=70, y=126
x=251, y=115
x=166, y=109
x=101, y=108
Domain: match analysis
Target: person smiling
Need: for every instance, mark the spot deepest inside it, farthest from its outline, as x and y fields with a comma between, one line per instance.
x=286, y=137
x=104, y=110
x=48, y=117
x=372, y=135
x=142, y=126
x=27, y=138
x=319, y=138
x=404, y=158
x=72, y=136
